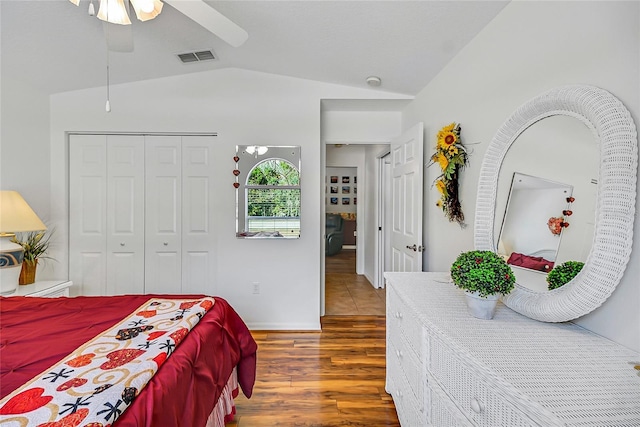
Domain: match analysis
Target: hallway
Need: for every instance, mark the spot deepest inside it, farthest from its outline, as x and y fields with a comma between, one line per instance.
x=347, y=293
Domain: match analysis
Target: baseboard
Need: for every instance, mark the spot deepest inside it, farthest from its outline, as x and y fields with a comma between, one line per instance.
x=266, y=326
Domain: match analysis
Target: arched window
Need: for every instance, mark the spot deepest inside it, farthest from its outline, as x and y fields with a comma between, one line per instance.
x=273, y=198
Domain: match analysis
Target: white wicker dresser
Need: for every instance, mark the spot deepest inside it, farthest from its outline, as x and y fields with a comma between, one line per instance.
x=446, y=368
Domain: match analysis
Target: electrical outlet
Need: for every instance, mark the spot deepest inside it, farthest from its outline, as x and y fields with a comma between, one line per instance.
x=256, y=287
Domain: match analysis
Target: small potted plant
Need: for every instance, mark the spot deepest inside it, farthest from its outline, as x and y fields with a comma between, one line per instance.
x=563, y=273
x=484, y=276
x=35, y=245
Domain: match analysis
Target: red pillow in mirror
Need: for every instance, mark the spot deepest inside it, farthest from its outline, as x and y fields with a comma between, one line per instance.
x=530, y=262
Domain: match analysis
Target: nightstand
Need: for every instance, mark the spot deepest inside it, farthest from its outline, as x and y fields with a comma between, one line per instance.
x=47, y=289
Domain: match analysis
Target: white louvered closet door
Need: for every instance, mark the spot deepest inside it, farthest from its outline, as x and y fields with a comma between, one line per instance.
x=106, y=234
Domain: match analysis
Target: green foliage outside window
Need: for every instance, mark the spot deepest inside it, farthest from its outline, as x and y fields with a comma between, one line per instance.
x=264, y=199
x=274, y=172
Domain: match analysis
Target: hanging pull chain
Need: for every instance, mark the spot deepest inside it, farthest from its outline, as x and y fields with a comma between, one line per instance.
x=107, y=106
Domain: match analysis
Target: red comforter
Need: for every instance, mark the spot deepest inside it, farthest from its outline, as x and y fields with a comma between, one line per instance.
x=36, y=333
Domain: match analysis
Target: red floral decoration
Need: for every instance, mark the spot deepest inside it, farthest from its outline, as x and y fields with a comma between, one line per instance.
x=555, y=225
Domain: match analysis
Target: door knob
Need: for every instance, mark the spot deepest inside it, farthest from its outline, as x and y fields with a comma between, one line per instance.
x=121, y=243
x=166, y=243
x=414, y=247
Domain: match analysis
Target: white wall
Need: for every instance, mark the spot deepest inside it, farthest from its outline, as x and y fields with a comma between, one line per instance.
x=531, y=47
x=244, y=107
x=24, y=153
x=368, y=127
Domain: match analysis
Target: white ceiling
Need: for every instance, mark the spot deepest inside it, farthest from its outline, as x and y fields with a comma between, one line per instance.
x=56, y=46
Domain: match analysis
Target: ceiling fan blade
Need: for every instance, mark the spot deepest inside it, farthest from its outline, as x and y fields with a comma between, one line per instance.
x=119, y=37
x=212, y=20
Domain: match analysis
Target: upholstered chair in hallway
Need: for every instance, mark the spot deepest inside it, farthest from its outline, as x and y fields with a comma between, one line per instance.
x=333, y=234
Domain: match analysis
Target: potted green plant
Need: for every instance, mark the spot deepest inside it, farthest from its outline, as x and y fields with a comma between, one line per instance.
x=35, y=245
x=484, y=276
x=563, y=273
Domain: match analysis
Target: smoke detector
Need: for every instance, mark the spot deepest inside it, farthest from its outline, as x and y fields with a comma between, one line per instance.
x=374, y=81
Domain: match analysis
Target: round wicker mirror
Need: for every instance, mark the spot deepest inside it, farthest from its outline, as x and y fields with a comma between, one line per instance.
x=615, y=132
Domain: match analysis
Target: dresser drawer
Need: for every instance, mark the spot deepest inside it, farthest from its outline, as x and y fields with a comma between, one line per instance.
x=400, y=356
x=482, y=401
x=401, y=320
x=441, y=411
x=407, y=407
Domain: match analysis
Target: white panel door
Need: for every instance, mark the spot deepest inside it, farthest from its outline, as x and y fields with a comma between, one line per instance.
x=407, y=166
x=163, y=214
x=87, y=213
x=125, y=214
x=198, y=239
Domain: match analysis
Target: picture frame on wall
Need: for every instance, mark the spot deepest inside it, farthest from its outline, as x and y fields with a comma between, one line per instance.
x=345, y=179
x=355, y=179
x=346, y=201
x=355, y=200
x=334, y=189
x=334, y=179
x=334, y=200
x=346, y=189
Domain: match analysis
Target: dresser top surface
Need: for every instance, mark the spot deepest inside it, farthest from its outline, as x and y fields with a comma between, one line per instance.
x=556, y=364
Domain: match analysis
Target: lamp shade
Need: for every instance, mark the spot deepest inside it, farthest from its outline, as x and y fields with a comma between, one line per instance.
x=114, y=11
x=147, y=9
x=16, y=215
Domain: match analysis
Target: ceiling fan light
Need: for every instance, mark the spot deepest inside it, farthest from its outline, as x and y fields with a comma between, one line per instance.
x=147, y=9
x=113, y=11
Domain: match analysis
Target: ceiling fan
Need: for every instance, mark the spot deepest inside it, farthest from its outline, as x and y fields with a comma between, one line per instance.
x=119, y=38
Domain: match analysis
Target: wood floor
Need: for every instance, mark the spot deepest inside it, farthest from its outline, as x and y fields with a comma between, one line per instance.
x=325, y=379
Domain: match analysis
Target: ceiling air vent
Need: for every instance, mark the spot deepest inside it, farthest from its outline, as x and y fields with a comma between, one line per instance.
x=203, y=55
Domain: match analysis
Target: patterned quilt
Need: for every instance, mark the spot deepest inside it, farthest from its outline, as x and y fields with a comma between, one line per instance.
x=99, y=380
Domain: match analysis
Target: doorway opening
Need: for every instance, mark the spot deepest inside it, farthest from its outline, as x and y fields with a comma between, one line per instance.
x=350, y=276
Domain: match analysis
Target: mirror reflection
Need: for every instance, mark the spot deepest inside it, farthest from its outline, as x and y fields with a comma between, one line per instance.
x=560, y=150
x=267, y=191
x=538, y=211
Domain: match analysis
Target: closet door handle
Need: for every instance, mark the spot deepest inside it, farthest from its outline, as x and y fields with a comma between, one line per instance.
x=166, y=243
x=121, y=243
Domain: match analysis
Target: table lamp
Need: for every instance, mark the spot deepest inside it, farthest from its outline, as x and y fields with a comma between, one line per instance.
x=15, y=216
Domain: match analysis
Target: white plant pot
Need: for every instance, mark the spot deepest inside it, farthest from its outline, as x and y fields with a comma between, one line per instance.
x=481, y=307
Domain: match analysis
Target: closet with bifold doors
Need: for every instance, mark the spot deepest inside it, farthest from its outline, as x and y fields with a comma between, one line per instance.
x=140, y=214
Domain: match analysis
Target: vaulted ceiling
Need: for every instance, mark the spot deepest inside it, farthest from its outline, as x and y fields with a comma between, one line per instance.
x=56, y=46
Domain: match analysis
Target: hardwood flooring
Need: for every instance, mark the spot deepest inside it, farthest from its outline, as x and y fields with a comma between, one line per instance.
x=330, y=378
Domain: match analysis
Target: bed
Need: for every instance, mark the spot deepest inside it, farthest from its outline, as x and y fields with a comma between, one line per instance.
x=202, y=372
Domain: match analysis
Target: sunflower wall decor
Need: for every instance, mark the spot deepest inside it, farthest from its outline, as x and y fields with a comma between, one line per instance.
x=451, y=155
